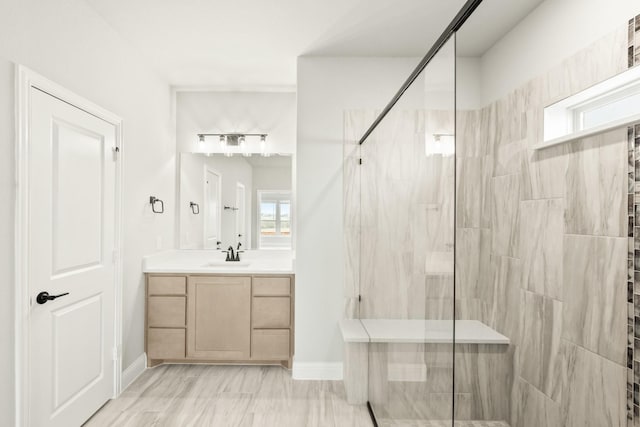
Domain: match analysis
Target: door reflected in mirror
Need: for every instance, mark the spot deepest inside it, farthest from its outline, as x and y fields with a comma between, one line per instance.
x=246, y=202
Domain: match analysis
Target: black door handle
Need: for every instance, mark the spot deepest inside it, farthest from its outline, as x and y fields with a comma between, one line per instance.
x=43, y=297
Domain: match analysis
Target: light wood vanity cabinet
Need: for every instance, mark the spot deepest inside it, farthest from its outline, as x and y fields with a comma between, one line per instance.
x=166, y=317
x=271, y=318
x=219, y=318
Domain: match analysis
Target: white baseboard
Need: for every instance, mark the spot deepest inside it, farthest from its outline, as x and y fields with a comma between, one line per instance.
x=134, y=370
x=317, y=371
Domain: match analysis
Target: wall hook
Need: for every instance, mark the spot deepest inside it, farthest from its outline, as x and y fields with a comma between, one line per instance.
x=195, y=208
x=153, y=200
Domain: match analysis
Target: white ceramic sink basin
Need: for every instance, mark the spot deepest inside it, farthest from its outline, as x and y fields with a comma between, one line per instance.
x=228, y=264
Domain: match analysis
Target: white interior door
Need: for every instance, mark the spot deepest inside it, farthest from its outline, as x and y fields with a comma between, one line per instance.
x=72, y=242
x=241, y=215
x=212, y=211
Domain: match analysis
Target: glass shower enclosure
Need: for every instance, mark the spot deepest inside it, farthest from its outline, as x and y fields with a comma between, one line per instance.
x=414, y=254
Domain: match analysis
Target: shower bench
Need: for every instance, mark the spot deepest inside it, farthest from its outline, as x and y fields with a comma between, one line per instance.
x=362, y=335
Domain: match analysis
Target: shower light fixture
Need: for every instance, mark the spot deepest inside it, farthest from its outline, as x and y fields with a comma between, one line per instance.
x=440, y=143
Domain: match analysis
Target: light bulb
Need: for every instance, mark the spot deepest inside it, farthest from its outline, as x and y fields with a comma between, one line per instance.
x=263, y=145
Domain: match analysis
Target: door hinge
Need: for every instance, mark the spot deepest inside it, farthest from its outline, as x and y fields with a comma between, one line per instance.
x=115, y=354
x=116, y=151
x=359, y=298
x=115, y=256
x=360, y=161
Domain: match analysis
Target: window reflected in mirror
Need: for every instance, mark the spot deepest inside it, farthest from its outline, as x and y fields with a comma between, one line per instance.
x=275, y=219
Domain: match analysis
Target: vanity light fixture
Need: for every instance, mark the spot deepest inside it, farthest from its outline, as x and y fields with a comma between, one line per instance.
x=231, y=143
x=263, y=146
x=243, y=146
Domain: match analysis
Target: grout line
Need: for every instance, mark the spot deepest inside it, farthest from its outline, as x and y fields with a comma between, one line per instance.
x=580, y=346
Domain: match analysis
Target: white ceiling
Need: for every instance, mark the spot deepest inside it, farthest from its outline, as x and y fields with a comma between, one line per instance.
x=247, y=43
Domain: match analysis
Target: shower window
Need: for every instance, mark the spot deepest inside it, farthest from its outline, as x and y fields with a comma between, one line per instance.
x=606, y=105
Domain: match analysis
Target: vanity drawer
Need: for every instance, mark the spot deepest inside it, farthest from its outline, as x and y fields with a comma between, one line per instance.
x=167, y=311
x=271, y=312
x=165, y=343
x=167, y=285
x=271, y=286
x=270, y=344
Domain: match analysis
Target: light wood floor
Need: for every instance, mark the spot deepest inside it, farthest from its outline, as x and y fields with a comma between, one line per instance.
x=229, y=396
x=445, y=423
x=240, y=396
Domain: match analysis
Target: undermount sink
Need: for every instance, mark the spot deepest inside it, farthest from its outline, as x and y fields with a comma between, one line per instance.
x=227, y=264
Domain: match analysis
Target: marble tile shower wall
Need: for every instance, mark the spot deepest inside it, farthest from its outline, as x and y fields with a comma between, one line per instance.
x=399, y=235
x=398, y=217
x=541, y=243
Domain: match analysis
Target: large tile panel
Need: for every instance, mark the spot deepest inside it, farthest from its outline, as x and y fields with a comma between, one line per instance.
x=539, y=347
x=594, y=393
x=595, y=294
x=541, y=230
x=505, y=216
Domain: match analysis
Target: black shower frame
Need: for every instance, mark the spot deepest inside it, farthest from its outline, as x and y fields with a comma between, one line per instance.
x=469, y=7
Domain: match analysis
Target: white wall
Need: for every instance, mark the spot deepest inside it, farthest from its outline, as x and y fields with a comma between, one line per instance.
x=267, y=178
x=468, y=84
x=67, y=42
x=326, y=88
x=555, y=30
x=224, y=112
x=7, y=194
x=191, y=190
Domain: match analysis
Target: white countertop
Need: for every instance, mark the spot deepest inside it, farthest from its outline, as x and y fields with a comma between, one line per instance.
x=197, y=262
x=422, y=331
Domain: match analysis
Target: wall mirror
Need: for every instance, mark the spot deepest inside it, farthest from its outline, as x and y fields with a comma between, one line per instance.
x=229, y=200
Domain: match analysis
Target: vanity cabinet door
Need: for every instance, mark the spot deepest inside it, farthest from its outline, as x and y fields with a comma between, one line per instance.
x=219, y=318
